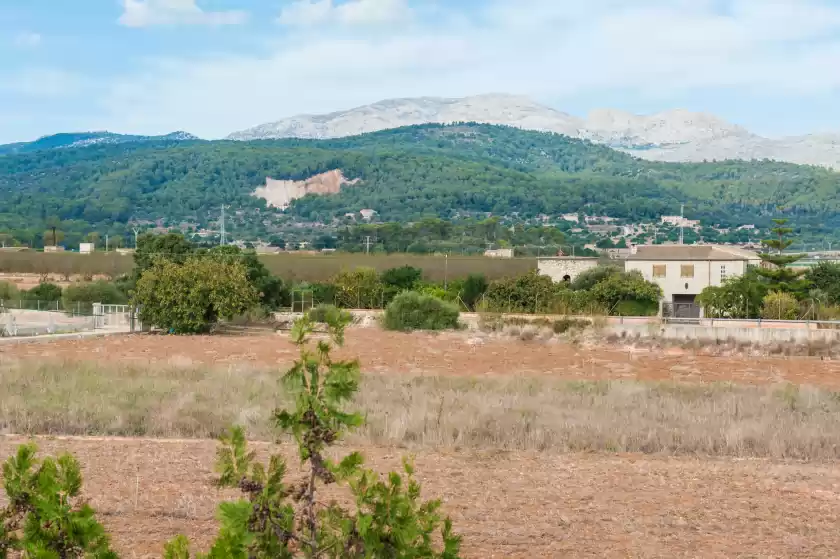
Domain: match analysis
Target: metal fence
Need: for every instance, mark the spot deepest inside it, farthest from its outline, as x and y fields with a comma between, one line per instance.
x=19, y=318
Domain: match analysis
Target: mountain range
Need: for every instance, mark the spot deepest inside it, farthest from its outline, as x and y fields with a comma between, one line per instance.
x=84, y=139
x=675, y=135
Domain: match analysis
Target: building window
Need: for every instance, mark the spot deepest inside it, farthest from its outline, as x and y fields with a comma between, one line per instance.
x=687, y=271
x=659, y=270
x=722, y=273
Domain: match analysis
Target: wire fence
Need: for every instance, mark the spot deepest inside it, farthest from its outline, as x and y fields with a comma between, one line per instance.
x=22, y=318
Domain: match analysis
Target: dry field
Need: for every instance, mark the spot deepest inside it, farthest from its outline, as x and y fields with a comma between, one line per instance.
x=289, y=266
x=538, y=449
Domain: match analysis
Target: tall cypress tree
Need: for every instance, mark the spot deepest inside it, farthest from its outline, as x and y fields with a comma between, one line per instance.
x=775, y=271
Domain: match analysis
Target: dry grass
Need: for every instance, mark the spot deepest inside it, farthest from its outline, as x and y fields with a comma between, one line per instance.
x=781, y=421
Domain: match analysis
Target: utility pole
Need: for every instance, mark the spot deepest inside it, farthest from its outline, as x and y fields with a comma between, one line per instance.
x=445, y=271
x=682, y=209
x=136, y=232
x=223, y=236
x=367, y=244
x=106, y=242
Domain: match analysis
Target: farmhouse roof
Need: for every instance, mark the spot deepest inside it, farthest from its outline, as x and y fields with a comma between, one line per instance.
x=691, y=252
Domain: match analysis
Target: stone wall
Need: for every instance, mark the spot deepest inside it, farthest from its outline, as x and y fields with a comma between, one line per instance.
x=564, y=268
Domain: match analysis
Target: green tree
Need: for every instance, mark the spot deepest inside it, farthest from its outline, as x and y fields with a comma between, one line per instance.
x=191, y=297
x=172, y=246
x=274, y=519
x=825, y=276
x=271, y=290
x=45, y=518
x=776, y=272
x=739, y=297
x=358, y=289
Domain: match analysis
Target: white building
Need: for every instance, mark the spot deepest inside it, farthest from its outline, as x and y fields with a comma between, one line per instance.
x=499, y=253
x=679, y=221
x=683, y=271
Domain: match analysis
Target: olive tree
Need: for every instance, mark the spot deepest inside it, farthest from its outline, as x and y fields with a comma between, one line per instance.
x=191, y=297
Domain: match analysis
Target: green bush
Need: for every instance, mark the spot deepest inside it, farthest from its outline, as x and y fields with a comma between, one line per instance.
x=328, y=313
x=358, y=289
x=414, y=311
x=396, y=280
x=472, y=289
x=8, y=291
x=528, y=293
x=779, y=306
x=44, y=292
x=629, y=286
x=80, y=297
x=590, y=278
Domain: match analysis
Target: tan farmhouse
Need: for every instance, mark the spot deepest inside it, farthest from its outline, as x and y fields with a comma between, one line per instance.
x=683, y=271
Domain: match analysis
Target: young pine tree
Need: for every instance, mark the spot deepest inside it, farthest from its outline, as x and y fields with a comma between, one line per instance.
x=776, y=273
x=44, y=517
x=288, y=520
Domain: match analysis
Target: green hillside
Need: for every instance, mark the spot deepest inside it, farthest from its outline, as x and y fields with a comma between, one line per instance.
x=406, y=174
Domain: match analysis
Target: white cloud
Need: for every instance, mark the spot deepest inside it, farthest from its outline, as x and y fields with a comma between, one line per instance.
x=28, y=40
x=350, y=12
x=547, y=49
x=146, y=13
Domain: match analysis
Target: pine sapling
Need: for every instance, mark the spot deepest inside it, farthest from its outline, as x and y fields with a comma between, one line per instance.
x=274, y=519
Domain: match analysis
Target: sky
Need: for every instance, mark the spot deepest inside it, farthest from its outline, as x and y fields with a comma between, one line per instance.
x=212, y=67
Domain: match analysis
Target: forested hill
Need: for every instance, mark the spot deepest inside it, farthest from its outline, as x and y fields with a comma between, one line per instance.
x=406, y=173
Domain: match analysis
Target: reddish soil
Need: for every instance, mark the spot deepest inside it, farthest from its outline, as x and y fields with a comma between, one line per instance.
x=447, y=354
x=506, y=505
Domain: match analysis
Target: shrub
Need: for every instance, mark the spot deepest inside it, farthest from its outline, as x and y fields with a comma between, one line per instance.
x=630, y=286
x=414, y=311
x=44, y=517
x=404, y=278
x=8, y=291
x=397, y=280
x=473, y=288
x=779, y=306
x=527, y=293
x=328, y=313
x=358, y=289
x=44, y=292
x=81, y=296
x=191, y=297
x=278, y=520
x=593, y=276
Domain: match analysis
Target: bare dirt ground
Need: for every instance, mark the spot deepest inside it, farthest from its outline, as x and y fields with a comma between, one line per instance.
x=447, y=354
x=505, y=504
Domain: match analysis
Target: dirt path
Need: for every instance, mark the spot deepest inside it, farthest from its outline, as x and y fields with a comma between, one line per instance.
x=445, y=354
x=507, y=505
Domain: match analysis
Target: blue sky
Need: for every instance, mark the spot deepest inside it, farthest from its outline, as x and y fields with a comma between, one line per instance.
x=211, y=67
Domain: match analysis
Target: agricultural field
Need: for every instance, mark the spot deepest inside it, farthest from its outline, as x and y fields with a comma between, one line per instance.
x=538, y=448
x=290, y=266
